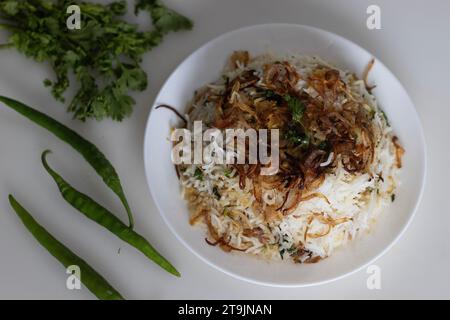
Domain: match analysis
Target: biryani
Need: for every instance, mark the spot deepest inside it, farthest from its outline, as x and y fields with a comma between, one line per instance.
x=339, y=159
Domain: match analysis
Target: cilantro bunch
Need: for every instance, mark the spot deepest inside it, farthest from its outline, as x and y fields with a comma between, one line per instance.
x=104, y=55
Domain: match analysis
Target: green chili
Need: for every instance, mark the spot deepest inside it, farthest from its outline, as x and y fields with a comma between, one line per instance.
x=94, y=211
x=89, y=277
x=88, y=150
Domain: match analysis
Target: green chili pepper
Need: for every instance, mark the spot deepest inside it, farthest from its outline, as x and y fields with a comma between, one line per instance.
x=88, y=150
x=106, y=219
x=89, y=277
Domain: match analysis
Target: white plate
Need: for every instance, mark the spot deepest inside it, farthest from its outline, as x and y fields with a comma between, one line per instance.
x=205, y=65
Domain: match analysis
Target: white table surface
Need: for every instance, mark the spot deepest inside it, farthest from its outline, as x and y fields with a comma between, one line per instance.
x=413, y=43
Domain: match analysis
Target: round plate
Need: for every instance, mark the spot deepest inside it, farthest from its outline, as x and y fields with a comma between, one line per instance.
x=205, y=65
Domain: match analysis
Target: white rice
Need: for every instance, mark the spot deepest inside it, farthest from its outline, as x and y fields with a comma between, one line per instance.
x=359, y=199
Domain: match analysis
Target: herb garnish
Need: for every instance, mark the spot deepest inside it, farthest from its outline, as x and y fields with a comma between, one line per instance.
x=282, y=251
x=292, y=250
x=385, y=118
x=296, y=106
x=228, y=172
x=164, y=19
x=104, y=55
x=198, y=174
x=297, y=138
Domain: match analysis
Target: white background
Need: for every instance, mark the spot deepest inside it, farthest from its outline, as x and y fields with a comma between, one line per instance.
x=413, y=43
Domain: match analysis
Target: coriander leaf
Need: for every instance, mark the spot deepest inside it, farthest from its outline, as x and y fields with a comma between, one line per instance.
x=292, y=250
x=297, y=138
x=47, y=82
x=104, y=55
x=282, y=251
x=10, y=7
x=118, y=8
x=385, y=118
x=228, y=172
x=296, y=106
x=198, y=174
x=164, y=19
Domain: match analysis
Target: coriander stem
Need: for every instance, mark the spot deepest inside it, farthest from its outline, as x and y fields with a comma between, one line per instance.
x=6, y=45
x=9, y=27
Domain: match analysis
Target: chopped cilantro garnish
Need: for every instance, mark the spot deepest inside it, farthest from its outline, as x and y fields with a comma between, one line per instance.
x=198, y=174
x=292, y=250
x=282, y=253
x=297, y=138
x=385, y=117
x=228, y=173
x=296, y=106
x=103, y=58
